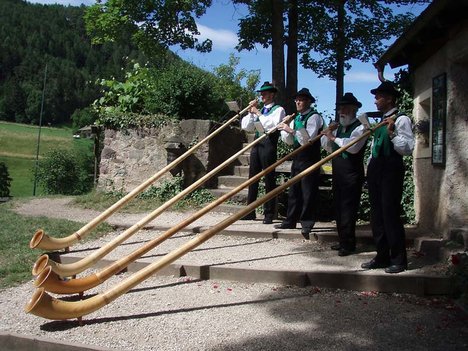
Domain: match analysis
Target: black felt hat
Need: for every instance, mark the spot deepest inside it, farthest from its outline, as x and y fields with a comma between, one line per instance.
x=267, y=86
x=386, y=88
x=305, y=92
x=349, y=99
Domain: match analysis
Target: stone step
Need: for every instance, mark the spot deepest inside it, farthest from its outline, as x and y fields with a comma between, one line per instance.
x=228, y=208
x=230, y=181
x=240, y=197
x=250, y=137
x=241, y=171
x=244, y=159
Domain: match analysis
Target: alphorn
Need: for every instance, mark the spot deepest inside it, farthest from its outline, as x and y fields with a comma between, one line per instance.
x=41, y=240
x=44, y=305
x=51, y=282
x=66, y=270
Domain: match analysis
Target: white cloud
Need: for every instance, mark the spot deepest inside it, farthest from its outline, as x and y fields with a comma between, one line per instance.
x=223, y=39
x=361, y=77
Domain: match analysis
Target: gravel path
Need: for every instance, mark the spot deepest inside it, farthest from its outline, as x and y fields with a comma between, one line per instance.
x=167, y=313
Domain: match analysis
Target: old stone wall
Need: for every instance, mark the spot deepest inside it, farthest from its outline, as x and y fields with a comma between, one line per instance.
x=131, y=157
x=441, y=191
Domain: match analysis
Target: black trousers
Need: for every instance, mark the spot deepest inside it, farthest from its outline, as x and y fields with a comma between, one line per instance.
x=303, y=195
x=385, y=179
x=263, y=155
x=347, y=178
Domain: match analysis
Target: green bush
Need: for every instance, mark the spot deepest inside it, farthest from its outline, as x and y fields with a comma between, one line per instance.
x=83, y=117
x=169, y=188
x=184, y=91
x=5, y=180
x=66, y=172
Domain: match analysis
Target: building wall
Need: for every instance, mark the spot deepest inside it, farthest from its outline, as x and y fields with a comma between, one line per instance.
x=441, y=192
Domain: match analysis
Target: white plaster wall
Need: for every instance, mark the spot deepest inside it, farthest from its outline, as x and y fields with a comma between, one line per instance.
x=442, y=193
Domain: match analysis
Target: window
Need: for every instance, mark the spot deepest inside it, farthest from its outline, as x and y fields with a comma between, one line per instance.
x=439, y=115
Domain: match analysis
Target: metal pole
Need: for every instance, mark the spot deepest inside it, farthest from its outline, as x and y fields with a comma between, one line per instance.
x=39, y=132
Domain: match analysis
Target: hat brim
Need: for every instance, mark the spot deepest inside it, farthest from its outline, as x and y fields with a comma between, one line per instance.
x=310, y=97
x=384, y=91
x=354, y=103
x=272, y=89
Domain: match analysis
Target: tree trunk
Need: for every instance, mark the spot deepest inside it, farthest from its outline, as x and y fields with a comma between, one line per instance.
x=340, y=52
x=277, y=48
x=291, y=64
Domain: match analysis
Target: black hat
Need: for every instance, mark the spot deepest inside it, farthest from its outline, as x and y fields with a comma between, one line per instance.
x=305, y=92
x=267, y=86
x=386, y=87
x=349, y=99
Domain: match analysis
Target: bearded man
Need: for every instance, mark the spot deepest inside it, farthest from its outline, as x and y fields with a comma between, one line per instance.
x=347, y=173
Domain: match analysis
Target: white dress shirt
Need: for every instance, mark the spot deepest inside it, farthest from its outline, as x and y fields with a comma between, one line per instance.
x=327, y=144
x=268, y=121
x=403, y=140
x=303, y=135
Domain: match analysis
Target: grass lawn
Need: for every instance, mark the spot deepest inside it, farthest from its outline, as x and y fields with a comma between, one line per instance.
x=16, y=258
x=18, y=148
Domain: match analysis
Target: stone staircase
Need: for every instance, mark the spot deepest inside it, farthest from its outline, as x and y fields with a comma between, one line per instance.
x=240, y=174
x=228, y=182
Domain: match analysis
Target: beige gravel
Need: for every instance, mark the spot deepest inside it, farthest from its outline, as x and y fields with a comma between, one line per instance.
x=168, y=313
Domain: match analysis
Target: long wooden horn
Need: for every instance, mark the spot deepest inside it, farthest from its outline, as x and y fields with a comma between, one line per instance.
x=41, y=240
x=51, y=282
x=43, y=305
x=66, y=270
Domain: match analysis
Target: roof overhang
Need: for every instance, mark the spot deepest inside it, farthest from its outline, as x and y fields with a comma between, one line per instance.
x=427, y=34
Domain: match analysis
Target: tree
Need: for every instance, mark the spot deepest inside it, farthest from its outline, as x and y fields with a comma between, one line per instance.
x=230, y=81
x=338, y=31
x=343, y=30
x=153, y=25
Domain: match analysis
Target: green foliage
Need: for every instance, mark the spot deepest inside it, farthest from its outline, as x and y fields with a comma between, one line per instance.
x=83, y=117
x=154, y=96
x=230, y=81
x=185, y=91
x=126, y=96
x=171, y=187
x=5, y=180
x=16, y=258
x=153, y=25
x=408, y=214
x=34, y=36
x=66, y=172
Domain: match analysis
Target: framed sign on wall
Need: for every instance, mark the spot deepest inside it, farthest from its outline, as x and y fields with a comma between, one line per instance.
x=439, y=116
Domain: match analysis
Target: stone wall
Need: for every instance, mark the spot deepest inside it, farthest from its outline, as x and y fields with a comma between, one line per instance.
x=131, y=157
x=441, y=192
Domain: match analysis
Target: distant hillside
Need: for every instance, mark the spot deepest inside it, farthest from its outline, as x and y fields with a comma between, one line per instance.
x=32, y=36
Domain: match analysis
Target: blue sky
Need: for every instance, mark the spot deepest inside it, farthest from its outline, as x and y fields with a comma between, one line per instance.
x=220, y=25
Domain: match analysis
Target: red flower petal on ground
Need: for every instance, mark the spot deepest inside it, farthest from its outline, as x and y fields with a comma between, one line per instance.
x=455, y=260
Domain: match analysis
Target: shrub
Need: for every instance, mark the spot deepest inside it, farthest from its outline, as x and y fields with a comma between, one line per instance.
x=184, y=91
x=83, y=117
x=5, y=180
x=65, y=172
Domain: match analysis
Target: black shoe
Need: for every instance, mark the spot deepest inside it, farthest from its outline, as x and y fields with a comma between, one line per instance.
x=395, y=268
x=335, y=247
x=267, y=220
x=248, y=217
x=284, y=226
x=306, y=233
x=373, y=264
x=345, y=252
